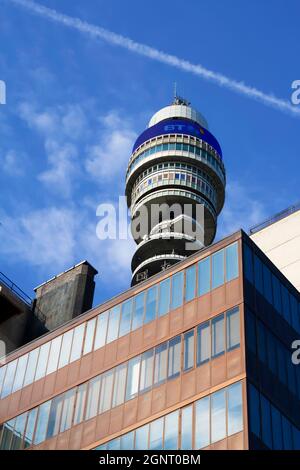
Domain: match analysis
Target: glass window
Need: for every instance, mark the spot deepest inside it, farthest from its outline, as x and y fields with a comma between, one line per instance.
x=161, y=359
x=203, y=343
x=138, y=313
x=188, y=350
x=20, y=373
x=190, y=283
x=89, y=336
x=218, y=416
x=281, y=363
x=271, y=346
x=235, y=408
x=101, y=329
x=113, y=324
x=232, y=263
x=17, y=441
x=119, y=385
x=42, y=362
x=276, y=429
x=65, y=349
x=248, y=263
x=54, y=355
x=287, y=434
x=204, y=276
x=93, y=397
x=218, y=343
x=262, y=343
x=277, y=294
x=80, y=403
x=141, y=438
x=251, y=331
x=127, y=441
x=7, y=434
x=174, y=357
x=132, y=386
x=9, y=378
x=156, y=434
x=285, y=303
x=177, y=290
x=164, y=297
x=42, y=422
x=296, y=438
x=68, y=408
x=151, y=300
x=233, y=328
x=30, y=426
x=147, y=365
x=202, y=431
x=217, y=269
x=171, y=431
x=54, y=416
x=267, y=284
x=258, y=274
x=254, y=410
x=125, y=323
x=2, y=376
x=187, y=428
x=294, y=312
x=106, y=391
x=77, y=342
x=115, y=444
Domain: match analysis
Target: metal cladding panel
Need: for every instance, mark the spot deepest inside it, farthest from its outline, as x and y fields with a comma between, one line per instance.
x=178, y=126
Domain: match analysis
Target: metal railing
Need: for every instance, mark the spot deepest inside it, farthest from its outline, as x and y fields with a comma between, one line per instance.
x=15, y=289
x=281, y=215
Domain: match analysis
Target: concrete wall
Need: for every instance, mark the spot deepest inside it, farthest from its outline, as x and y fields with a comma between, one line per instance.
x=281, y=243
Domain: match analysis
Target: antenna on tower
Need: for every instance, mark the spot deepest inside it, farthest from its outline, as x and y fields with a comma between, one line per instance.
x=175, y=90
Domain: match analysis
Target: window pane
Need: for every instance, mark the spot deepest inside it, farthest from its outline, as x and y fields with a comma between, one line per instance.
x=296, y=438
x=202, y=431
x=138, y=313
x=106, y=391
x=9, y=378
x=115, y=444
x=17, y=441
x=113, y=324
x=262, y=343
x=177, y=290
x=250, y=331
x=190, y=283
x=254, y=410
x=161, y=359
x=258, y=274
x=42, y=422
x=68, y=408
x=285, y=303
x=266, y=432
x=188, y=350
x=217, y=269
x=164, y=297
x=7, y=434
x=276, y=429
x=218, y=416
x=233, y=328
x=77, y=342
x=187, y=428
x=42, y=362
x=65, y=349
x=204, y=276
x=125, y=322
x=232, y=264
x=277, y=294
x=156, y=434
x=93, y=397
x=174, y=357
x=235, y=408
x=141, y=438
x=133, y=378
x=119, y=385
x=287, y=434
x=127, y=441
x=248, y=263
x=2, y=376
x=30, y=426
x=267, y=284
x=89, y=336
x=31, y=367
x=171, y=431
x=54, y=355
x=54, y=416
x=80, y=403
x=218, y=342
x=281, y=363
x=147, y=365
x=20, y=373
x=203, y=343
x=151, y=300
x=101, y=329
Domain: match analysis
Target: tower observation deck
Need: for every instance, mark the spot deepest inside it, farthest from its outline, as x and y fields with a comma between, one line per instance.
x=175, y=188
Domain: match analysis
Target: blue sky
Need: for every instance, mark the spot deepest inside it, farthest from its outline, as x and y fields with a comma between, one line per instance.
x=76, y=103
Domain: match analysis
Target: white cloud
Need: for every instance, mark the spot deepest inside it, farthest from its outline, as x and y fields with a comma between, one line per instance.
x=13, y=163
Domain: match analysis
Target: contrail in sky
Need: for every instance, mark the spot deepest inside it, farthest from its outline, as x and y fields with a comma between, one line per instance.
x=159, y=56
